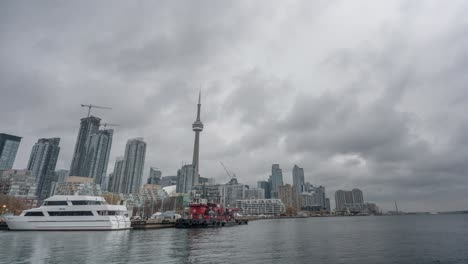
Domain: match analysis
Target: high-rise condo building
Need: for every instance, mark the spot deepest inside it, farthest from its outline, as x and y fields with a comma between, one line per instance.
x=265, y=185
x=97, y=156
x=61, y=175
x=349, y=200
x=115, y=187
x=276, y=180
x=134, y=161
x=8, y=148
x=358, y=198
x=288, y=195
x=42, y=162
x=185, y=179
x=154, y=176
x=298, y=179
x=89, y=125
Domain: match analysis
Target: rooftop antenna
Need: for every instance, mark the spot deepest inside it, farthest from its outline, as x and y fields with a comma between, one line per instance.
x=89, y=106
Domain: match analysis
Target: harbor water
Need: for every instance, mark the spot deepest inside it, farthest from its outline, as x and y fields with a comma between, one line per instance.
x=371, y=239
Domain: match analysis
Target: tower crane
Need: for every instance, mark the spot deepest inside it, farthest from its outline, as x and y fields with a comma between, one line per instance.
x=89, y=106
x=230, y=174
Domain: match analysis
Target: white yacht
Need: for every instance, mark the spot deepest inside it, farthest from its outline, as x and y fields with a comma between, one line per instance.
x=72, y=212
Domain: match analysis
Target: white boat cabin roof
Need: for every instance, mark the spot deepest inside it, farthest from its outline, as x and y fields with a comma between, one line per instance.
x=74, y=198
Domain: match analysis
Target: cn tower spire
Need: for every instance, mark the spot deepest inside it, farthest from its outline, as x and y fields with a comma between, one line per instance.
x=197, y=127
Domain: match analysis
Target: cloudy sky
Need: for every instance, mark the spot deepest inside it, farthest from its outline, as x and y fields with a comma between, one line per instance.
x=367, y=94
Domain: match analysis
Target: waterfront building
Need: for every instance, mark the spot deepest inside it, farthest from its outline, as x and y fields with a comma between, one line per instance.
x=185, y=179
x=134, y=161
x=313, y=198
x=231, y=192
x=327, y=205
x=351, y=201
x=276, y=179
x=340, y=200
x=254, y=193
x=168, y=181
x=97, y=155
x=61, y=175
x=88, y=126
x=266, y=207
x=298, y=179
x=197, y=127
x=76, y=185
x=358, y=198
x=42, y=162
x=154, y=176
x=18, y=183
x=9, y=145
x=116, y=185
x=288, y=195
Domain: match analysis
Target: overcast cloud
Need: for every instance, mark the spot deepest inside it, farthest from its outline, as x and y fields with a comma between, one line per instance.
x=367, y=94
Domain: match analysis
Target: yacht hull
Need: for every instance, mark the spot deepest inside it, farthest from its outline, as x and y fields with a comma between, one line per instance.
x=25, y=223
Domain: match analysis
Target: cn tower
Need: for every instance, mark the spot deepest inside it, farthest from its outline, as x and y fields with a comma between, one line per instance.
x=197, y=128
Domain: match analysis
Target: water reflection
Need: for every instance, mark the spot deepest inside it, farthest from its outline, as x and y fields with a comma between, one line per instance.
x=407, y=239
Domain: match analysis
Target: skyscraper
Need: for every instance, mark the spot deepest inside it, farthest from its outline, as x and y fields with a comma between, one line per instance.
x=287, y=194
x=97, y=157
x=197, y=128
x=154, y=176
x=61, y=175
x=298, y=179
x=8, y=147
x=185, y=179
x=42, y=164
x=89, y=125
x=276, y=180
x=265, y=185
x=358, y=198
x=117, y=176
x=134, y=161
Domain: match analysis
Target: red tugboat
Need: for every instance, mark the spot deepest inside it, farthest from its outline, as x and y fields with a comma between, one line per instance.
x=203, y=214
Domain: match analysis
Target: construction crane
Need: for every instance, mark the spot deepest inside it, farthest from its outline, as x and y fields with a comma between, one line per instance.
x=107, y=124
x=89, y=106
x=230, y=174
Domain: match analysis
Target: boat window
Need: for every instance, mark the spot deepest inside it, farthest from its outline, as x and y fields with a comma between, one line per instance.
x=111, y=212
x=71, y=213
x=86, y=202
x=34, y=214
x=55, y=203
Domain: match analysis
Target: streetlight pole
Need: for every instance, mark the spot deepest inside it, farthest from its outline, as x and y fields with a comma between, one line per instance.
x=3, y=209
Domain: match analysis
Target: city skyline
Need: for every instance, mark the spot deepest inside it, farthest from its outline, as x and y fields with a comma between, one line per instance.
x=369, y=94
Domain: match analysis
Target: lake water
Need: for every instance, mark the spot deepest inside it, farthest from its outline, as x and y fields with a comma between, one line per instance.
x=385, y=239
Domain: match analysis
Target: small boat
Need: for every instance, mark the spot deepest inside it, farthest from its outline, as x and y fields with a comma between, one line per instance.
x=157, y=221
x=72, y=212
x=203, y=214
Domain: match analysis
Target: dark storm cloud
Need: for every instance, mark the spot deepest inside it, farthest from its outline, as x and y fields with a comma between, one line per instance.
x=361, y=94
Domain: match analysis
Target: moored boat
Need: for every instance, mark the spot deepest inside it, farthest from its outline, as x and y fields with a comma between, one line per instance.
x=203, y=214
x=72, y=212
